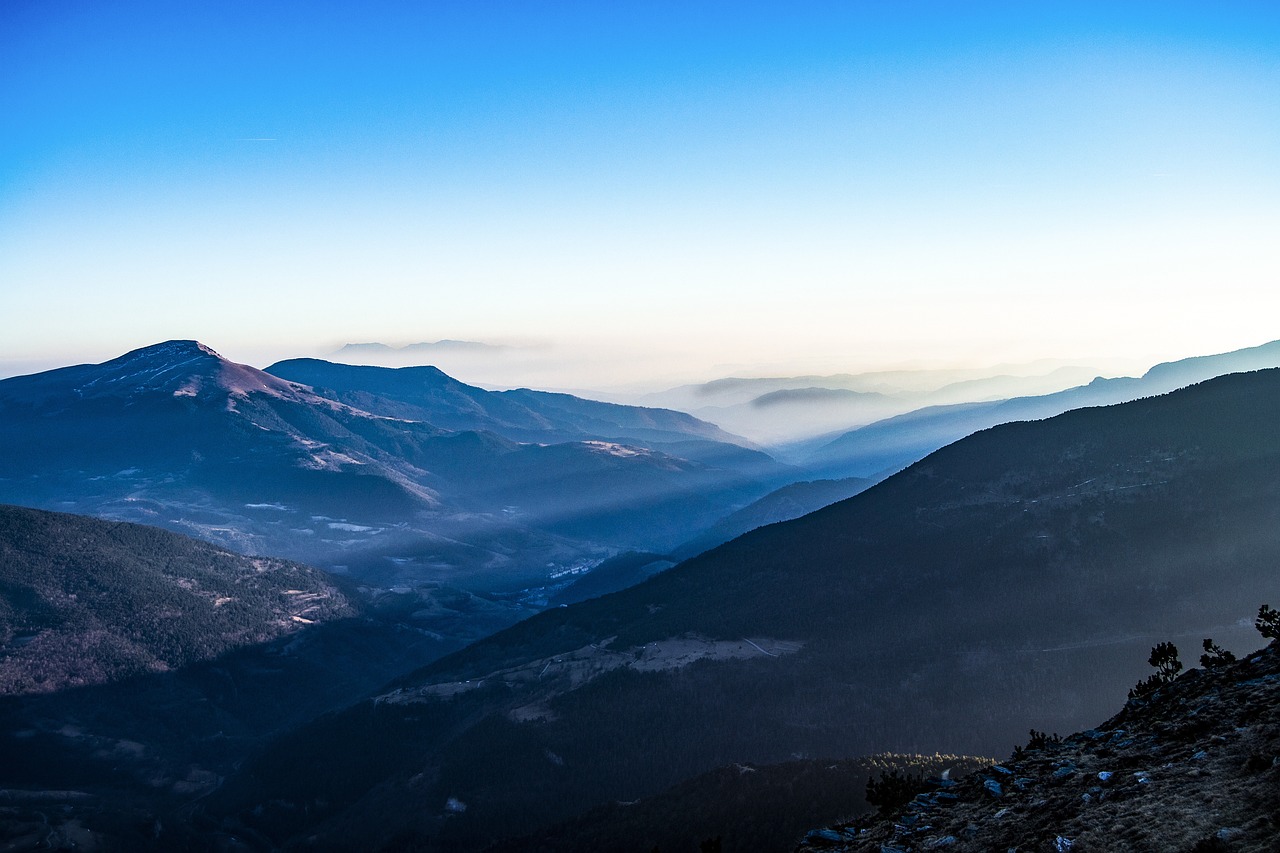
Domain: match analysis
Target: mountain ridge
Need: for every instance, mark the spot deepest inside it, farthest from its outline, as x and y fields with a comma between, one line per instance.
x=175, y=435
x=899, y=440
x=1016, y=577
x=427, y=393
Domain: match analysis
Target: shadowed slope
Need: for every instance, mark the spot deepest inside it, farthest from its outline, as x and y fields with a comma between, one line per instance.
x=84, y=601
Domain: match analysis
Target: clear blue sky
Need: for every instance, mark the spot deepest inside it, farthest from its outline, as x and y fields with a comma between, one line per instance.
x=772, y=185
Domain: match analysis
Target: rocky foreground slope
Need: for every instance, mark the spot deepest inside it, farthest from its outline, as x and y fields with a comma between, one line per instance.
x=1194, y=767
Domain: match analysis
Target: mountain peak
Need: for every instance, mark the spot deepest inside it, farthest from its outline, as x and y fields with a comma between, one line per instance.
x=183, y=368
x=172, y=351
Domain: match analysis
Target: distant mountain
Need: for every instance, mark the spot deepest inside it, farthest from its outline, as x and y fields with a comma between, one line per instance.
x=85, y=602
x=785, y=409
x=177, y=436
x=900, y=440
x=1045, y=374
x=790, y=413
x=1193, y=768
x=427, y=394
x=1014, y=579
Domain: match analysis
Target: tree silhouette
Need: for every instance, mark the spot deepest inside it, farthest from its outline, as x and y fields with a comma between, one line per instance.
x=1164, y=657
x=1268, y=622
x=1215, y=655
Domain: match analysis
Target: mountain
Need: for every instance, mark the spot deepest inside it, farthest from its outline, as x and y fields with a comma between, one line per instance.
x=138, y=667
x=177, y=436
x=1192, y=768
x=1042, y=375
x=784, y=504
x=1015, y=578
x=789, y=414
x=427, y=394
x=613, y=574
x=897, y=441
x=777, y=410
x=84, y=601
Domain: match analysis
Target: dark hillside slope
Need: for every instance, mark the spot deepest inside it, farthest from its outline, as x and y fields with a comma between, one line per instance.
x=84, y=601
x=1015, y=578
x=784, y=504
x=138, y=666
x=751, y=809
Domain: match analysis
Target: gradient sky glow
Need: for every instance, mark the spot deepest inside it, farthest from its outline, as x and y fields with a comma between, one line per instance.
x=726, y=187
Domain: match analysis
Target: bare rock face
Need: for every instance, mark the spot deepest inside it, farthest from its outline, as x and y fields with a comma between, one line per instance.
x=1195, y=766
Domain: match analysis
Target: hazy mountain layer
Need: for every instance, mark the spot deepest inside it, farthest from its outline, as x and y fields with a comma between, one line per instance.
x=1016, y=578
x=777, y=410
x=898, y=441
x=177, y=436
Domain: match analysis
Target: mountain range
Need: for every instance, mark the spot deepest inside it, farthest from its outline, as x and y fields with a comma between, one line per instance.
x=427, y=394
x=358, y=477
x=1015, y=578
x=167, y=693
x=894, y=442
x=778, y=410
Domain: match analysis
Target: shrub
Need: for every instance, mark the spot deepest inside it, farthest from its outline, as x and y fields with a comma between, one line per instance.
x=1039, y=740
x=1268, y=622
x=1215, y=655
x=894, y=790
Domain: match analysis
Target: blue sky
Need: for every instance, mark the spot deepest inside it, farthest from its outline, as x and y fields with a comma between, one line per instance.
x=640, y=189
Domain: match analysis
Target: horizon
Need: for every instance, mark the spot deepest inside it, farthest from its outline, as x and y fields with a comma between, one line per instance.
x=479, y=368
x=640, y=196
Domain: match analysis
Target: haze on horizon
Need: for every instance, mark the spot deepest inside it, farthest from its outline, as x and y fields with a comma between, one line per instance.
x=641, y=191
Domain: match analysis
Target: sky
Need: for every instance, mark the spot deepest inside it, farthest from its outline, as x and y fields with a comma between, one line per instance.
x=634, y=192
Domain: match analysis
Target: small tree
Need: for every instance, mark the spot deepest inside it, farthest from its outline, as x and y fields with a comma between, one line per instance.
x=1164, y=657
x=1268, y=622
x=1215, y=655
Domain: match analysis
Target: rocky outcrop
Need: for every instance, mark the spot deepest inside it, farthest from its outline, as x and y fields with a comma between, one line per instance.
x=1195, y=766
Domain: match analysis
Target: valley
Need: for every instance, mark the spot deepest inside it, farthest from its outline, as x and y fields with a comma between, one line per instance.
x=542, y=427
x=530, y=630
